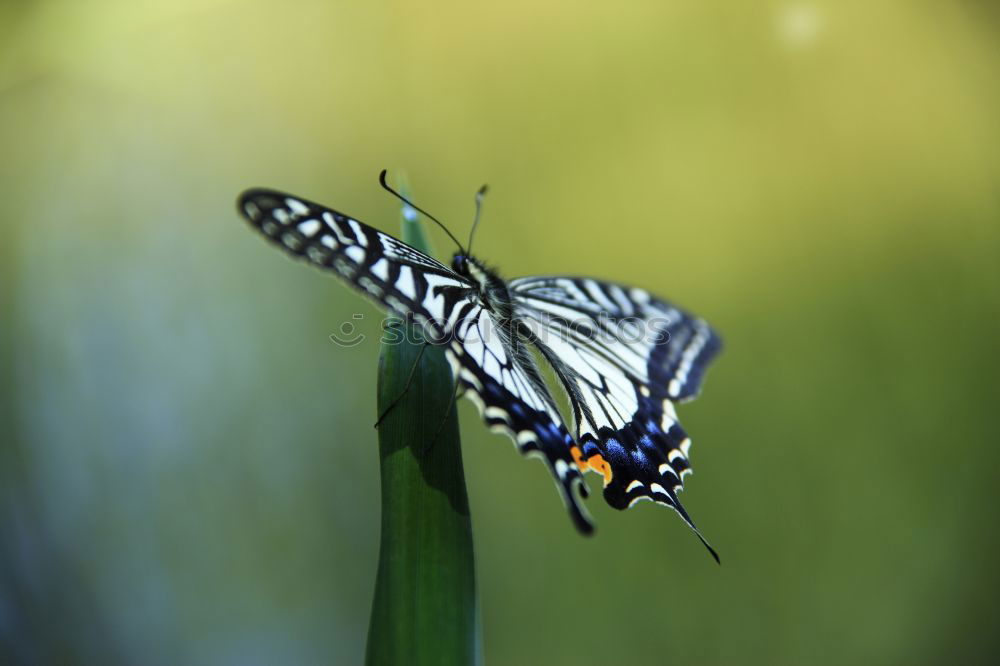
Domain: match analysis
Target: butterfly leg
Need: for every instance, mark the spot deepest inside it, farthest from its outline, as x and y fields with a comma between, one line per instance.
x=459, y=392
x=409, y=381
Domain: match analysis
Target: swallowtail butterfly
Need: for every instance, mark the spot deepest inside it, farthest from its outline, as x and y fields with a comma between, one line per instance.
x=622, y=356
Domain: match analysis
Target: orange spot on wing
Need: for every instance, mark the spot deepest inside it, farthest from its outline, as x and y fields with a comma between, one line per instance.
x=601, y=466
x=595, y=463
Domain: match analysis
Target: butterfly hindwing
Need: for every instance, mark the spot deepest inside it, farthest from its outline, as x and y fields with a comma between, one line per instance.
x=624, y=357
x=496, y=370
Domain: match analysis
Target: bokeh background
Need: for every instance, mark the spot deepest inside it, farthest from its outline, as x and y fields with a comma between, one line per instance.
x=188, y=466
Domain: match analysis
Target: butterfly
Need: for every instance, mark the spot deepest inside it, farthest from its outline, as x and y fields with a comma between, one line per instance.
x=622, y=356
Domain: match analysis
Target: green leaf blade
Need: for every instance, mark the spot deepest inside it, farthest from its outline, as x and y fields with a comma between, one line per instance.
x=425, y=609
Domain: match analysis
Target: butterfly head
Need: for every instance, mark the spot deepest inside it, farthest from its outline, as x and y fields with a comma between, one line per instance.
x=460, y=264
x=471, y=268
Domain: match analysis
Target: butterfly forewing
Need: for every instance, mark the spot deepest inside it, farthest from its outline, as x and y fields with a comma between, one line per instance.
x=407, y=281
x=656, y=342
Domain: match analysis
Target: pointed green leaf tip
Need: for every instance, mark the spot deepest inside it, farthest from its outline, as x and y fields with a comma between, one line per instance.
x=425, y=609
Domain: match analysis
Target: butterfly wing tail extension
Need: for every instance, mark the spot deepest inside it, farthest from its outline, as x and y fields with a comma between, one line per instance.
x=647, y=460
x=676, y=505
x=636, y=476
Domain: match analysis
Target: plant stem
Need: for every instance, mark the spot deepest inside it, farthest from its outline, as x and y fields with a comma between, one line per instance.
x=425, y=609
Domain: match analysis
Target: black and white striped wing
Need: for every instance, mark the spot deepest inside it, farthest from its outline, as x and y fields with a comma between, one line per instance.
x=499, y=375
x=624, y=357
x=407, y=281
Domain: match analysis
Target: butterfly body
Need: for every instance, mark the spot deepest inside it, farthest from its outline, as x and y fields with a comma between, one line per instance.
x=622, y=356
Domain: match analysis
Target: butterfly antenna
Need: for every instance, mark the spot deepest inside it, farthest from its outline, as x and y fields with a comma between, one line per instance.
x=475, y=222
x=381, y=179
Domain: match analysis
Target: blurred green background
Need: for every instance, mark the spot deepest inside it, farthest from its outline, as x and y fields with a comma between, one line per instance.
x=188, y=470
